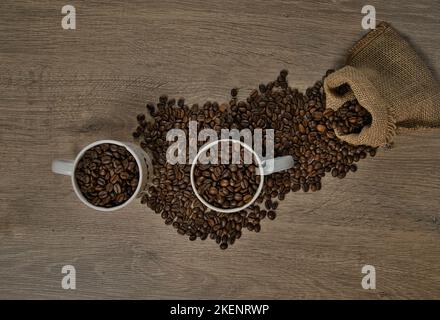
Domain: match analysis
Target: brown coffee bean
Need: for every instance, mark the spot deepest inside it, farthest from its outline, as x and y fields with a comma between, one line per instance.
x=268, y=204
x=109, y=187
x=238, y=197
x=101, y=181
x=213, y=191
x=223, y=107
x=247, y=198
x=271, y=214
x=131, y=166
x=106, y=160
x=117, y=188
x=134, y=182
x=102, y=194
x=224, y=182
x=114, y=179
x=321, y=128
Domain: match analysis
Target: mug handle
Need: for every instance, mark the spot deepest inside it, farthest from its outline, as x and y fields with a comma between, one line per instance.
x=277, y=164
x=63, y=167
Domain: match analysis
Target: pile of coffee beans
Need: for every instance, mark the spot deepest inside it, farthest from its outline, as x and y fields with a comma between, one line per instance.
x=107, y=175
x=303, y=128
x=350, y=118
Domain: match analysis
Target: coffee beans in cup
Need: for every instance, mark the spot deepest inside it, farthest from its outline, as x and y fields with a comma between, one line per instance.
x=107, y=175
x=227, y=186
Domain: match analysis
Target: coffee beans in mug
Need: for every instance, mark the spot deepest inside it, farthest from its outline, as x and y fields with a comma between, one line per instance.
x=227, y=186
x=107, y=175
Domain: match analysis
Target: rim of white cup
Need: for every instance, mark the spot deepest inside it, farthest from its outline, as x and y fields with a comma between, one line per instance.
x=78, y=191
x=260, y=167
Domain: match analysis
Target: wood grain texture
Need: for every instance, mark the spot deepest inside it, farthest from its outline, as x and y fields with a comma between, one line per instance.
x=60, y=90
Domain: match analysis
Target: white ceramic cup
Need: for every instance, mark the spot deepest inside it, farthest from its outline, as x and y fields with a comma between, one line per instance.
x=143, y=160
x=265, y=167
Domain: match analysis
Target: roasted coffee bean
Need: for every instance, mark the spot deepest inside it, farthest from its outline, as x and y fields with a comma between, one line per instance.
x=213, y=191
x=98, y=180
x=284, y=73
x=106, y=159
x=117, y=188
x=224, y=182
x=109, y=187
x=247, y=198
x=271, y=214
x=268, y=204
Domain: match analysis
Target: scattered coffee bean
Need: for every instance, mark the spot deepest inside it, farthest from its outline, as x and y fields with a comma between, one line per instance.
x=271, y=214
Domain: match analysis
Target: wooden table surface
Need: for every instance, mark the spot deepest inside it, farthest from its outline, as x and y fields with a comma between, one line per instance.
x=62, y=89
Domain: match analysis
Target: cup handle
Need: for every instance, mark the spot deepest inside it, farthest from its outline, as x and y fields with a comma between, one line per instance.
x=277, y=164
x=63, y=167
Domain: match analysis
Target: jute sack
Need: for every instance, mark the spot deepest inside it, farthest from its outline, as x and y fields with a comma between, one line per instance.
x=391, y=81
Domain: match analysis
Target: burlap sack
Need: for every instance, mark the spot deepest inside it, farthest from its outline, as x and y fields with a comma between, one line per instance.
x=391, y=81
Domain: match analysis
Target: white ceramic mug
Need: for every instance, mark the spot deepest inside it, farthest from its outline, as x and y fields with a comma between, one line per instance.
x=265, y=167
x=143, y=160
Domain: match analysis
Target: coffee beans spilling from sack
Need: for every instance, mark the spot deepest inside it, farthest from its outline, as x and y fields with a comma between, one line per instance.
x=303, y=128
x=107, y=175
x=350, y=118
